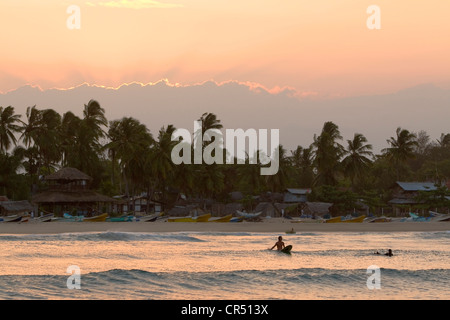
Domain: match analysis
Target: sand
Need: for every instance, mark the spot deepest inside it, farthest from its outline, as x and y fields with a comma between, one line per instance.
x=274, y=225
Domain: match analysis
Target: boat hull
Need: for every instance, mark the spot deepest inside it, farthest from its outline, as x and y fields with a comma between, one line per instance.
x=334, y=220
x=202, y=218
x=221, y=219
x=359, y=219
x=14, y=218
x=247, y=215
x=99, y=218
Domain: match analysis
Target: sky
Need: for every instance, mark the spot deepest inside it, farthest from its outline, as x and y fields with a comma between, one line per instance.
x=317, y=49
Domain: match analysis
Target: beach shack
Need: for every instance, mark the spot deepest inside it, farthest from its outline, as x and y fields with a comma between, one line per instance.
x=9, y=208
x=404, y=195
x=68, y=190
x=293, y=195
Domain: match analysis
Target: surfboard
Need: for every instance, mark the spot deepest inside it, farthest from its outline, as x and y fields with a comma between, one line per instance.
x=287, y=249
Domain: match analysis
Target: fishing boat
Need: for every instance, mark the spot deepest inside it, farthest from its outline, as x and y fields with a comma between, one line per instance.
x=334, y=220
x=354, y=220
x=201, y=218
x=150, y=217
x=435, y=216
x=226, y=218
x=71, y=218
x=248, y=215
x=380, y=219
x=13, y=218
x=237, y=219
x=100, y=218
x=45, y=218
x=417, y=218
x=120, y=219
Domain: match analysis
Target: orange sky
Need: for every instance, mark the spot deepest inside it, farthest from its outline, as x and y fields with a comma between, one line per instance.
x=321, y=46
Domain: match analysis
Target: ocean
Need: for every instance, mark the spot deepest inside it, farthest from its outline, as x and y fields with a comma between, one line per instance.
x=219, y=265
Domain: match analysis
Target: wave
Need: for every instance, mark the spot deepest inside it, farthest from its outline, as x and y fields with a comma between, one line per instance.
x=102, y=236
x=240, y=284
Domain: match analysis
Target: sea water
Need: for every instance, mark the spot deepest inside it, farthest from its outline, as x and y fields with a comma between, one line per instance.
x=217, y=265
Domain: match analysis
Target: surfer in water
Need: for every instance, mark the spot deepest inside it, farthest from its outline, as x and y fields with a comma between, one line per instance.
x=279, y=244
x=389, y=253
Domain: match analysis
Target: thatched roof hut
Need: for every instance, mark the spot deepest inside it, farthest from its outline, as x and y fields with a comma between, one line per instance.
x=68, y=174
x=69, y=188
x=15, y=207
x=316, y=208
x=76, y=197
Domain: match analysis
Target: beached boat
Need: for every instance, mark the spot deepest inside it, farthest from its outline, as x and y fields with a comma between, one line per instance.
x=13, y=218
x=334, y=220
x=380, y=219
x=308, y=220
x=226, y=218
x=359, y=219
x=45, y=218
x=99, y=218
x=417, y=218
x=248, y=215
x=71, y=218
x=439, y=217
x=150, y=217
x=237, y=219
x=201, y=218
x=120, y=219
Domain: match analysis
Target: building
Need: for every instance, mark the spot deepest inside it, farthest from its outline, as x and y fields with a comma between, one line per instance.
x=68, y=190
x=292, y=195
x=8, y=208
x=404, y=194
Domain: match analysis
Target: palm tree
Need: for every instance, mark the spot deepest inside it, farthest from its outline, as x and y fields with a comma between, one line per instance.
x=278, y=181
x=130, y=141
x=8, y=128
x=47, y=138
x=357, y=157
x=9, y=166
x=94, y=119
x=159, y=166
x=444, y=140
x=69, y=133
x=211, y=177
x=301, y=160
x=328, y=153
x=401, y=148
x=30, y=130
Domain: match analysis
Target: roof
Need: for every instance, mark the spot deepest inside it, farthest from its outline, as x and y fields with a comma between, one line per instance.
x=298, y=191
x=318, y=207
x=417, y=186
x=68, y=174
x=70, y=197
x=401, y=201
x=16, y=206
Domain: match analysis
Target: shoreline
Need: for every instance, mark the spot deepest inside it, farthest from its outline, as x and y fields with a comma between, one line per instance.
x=273, y=225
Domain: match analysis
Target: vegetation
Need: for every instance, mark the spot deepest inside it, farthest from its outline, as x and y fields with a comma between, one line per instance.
x=124, y=157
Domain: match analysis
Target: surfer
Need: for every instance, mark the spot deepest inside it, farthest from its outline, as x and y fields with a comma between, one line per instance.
x=279, y=244
x=389, y=253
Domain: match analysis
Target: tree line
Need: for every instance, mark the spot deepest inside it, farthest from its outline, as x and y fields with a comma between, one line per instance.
x=124, y=157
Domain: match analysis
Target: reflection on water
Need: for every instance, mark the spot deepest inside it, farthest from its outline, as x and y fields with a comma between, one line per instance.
x=225, y=265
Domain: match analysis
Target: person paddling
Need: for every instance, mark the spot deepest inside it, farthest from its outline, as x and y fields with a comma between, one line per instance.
x=279, y=244
x=389, y=253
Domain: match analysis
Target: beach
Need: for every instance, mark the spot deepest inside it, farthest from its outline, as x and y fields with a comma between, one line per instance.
x=272, y=225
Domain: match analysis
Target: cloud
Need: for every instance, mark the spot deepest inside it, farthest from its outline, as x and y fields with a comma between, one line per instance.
x=134, y=4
